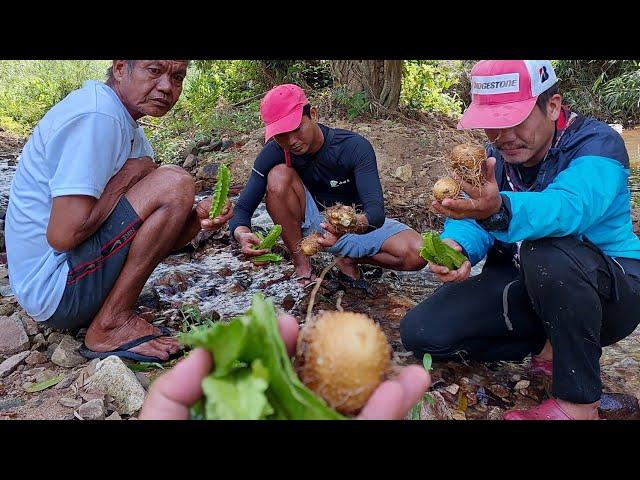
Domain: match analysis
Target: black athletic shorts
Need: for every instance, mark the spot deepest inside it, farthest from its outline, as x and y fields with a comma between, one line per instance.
x=94, y=266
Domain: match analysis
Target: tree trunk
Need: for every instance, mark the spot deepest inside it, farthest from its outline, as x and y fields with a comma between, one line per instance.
x=381, y=80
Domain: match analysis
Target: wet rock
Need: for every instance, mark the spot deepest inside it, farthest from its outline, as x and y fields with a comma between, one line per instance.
x=116, y=379
x=70, y=402
x=13, y=337
x=5, y=291
x=190, y=161
x=11, y=363
x=176, y=280
x=149, y=297
x=495, y=413
x=288, y=302
x=499, y=390
x=92, y=410
x=9, y=403
x=36, y=358
x=619, y=406
x=438, y=411
x=66, y=353
x=225, y=272
x=452, y=389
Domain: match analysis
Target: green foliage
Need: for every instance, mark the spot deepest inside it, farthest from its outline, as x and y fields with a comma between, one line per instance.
x=29, y=88
x=606, y=89
x=429, y=85
x=355, y=104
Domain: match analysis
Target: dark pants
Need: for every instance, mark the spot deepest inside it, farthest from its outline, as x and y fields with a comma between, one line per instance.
x=94, y=266
x=565, y=290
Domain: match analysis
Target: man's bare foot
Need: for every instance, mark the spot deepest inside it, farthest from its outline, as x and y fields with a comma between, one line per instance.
x=349, y=267
x=127, y=327
x=303, y=271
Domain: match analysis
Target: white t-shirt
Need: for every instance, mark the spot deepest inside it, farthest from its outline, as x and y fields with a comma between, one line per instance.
x=75, y=149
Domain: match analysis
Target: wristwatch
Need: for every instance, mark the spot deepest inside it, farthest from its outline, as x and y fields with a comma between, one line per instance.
x=500, y=220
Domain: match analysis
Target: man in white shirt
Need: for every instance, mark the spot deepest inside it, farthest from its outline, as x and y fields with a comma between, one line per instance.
x=91, y=215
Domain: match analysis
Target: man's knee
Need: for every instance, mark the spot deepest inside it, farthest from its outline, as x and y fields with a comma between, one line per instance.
x=179, y=186
x=421, y=331
x=280, y=180
x=546, y=265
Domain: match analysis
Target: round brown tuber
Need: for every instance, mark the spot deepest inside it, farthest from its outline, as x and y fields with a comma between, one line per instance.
x=309, y=245
x=467, y=156
x=445, y=187
x=343, y=357
x=342, y=217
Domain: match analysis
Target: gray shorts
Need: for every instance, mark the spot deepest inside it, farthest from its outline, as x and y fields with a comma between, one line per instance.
x=94, y=267
x=350, y=245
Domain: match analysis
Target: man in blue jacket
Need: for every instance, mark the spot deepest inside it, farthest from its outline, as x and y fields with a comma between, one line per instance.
x=562, y=272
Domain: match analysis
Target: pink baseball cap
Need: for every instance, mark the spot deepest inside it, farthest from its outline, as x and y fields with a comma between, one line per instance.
x=504, y=92
x=281, y=109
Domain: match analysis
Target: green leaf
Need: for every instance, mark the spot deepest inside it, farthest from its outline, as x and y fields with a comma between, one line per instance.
x=434, y=250
x=253, y=376
x=50, y=382
x=429, y=399
x=145, y=366
x=426, y=362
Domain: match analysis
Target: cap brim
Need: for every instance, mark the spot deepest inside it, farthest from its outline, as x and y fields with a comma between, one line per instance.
x=285, y=124
x=505, y=115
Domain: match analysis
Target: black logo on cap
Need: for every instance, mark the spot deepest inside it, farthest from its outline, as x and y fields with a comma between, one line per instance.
x=544, y=75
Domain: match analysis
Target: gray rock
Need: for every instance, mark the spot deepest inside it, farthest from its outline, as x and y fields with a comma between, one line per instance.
x=7, y=309
x=66, y=354
x=56, y=337
x=114, y=416
x=70, y=402
x=114, y=378
x=30, y=325
x=36, y=358
x=495, y=413
x=11, y=363
x=190, y=161
x=144, y=381
x=39, y=341
x=50, y=349
x=92, y=410
x=66, y=381
x=8, y=403
x=13, y=338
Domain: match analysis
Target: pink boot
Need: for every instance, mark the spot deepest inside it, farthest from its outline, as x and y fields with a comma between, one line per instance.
x=547, y=410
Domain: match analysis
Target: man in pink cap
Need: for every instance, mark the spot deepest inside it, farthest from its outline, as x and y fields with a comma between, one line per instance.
x=308, y=167
x=562, y=272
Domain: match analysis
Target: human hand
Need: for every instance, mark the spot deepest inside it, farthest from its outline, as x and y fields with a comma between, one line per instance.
x=172, y=394
x=446, y=275
x=202, y=211
x=483, y=201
